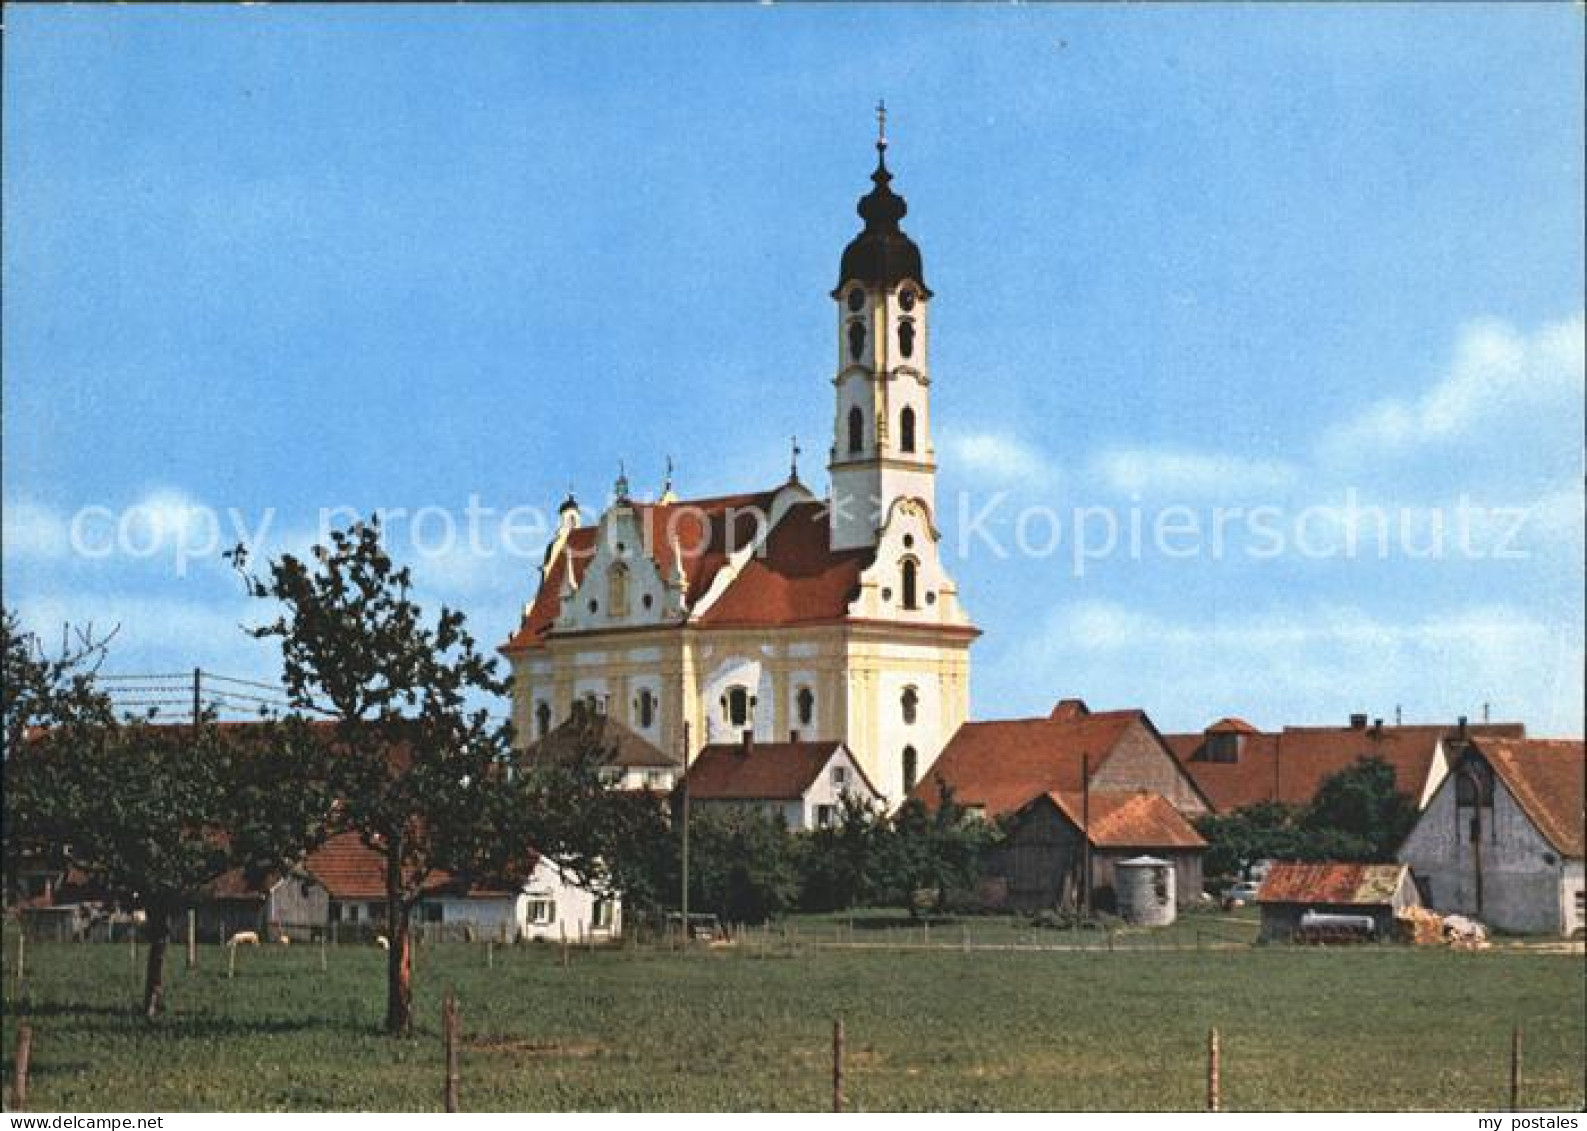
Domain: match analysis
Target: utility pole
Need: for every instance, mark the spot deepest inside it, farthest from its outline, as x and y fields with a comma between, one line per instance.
x=198, y=696
x=1085, y=833
x=685, y=894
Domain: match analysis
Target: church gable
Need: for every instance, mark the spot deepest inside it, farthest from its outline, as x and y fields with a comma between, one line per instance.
x=905, y=581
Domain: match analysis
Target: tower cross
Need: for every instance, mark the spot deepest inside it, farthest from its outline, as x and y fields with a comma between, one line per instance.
x=881, y=122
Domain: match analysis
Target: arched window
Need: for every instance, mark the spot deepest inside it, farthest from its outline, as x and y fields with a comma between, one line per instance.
x=906, y=337
x=856, y=430
x=542, y=718
x=645, y=707
x=735, y=706
x=805, y=701
x=617, y=590
x=856, y=340
x=911, y=768
x=909, y=703
x=906, y=429
x=910, y=583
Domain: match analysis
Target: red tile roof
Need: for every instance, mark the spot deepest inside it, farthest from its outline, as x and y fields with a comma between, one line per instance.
x=1359, y=884
x=349, y=869
x=1135, y=819
x=1292, y=764
x=798, y=578
x=1548, y=778
x=768, y=771
x=1001, y=765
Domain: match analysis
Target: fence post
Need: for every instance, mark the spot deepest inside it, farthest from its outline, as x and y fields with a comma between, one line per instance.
x=1214, y=1073
x=490, y=955
x=22, y=959
x=837, y=1064
x=19, y=1074
x=231, y=960
x=1515, y=1068
x=192, y=938
x=449, y=1039
x=324, y=965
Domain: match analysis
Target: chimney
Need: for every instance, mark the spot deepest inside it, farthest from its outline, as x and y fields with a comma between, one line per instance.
x=1358, y=722
x=1461, y=732
x=748, y=746
x=1377, y=727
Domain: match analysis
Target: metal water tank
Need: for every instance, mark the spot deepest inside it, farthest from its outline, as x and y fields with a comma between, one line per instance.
x=1144, y=887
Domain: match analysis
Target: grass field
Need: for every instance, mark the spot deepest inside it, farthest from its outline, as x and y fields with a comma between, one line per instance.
x=749, y=1027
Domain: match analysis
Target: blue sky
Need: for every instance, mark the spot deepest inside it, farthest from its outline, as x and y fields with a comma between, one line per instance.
x=284, y=259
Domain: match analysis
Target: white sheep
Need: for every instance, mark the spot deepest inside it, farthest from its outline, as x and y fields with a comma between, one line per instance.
x=244, y=938
x=382, y=942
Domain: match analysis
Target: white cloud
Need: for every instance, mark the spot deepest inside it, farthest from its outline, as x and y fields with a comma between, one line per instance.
x=33, y=530
x=1495, y=370
x=1178, y=471
x=1313, y=663
x=999, y=457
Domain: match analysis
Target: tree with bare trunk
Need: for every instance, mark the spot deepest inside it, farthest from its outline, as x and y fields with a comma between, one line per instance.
x=418, y=768
x=149, y=813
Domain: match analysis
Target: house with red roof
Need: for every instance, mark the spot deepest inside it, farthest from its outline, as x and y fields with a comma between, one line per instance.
x=798, y=616
x=1502, y=838
x=1234, y=764
x=803, y=782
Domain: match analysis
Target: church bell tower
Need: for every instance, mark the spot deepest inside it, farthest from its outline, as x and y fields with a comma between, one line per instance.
x=881, y=448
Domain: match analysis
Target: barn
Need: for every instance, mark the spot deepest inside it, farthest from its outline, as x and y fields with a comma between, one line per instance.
x=1377, y=891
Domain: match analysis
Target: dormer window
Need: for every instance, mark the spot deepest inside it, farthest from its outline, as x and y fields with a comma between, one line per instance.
x=1223, y=746
x=906, y=429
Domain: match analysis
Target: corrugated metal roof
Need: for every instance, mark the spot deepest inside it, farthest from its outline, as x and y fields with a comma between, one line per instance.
x=1368, y=884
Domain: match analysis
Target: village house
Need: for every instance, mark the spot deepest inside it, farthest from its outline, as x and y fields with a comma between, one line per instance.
x=1235, y=764
x=1502, y=839
x=626, y=759
x=1372, y=891
x=1042, y=860
x=997, y=767
x=803, y=782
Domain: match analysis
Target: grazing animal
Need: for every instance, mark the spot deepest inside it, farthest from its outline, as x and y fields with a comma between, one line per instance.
x=285, y=940
x=382, y=943
x=244, y=938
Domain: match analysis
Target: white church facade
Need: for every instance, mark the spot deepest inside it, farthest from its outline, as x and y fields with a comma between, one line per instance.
x=777, y=612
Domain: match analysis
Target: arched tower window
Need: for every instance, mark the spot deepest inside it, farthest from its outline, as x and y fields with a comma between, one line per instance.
x=542, y=718
x=911, y=768
x=906, y=337
x=856, y=340
x=856, y=430
x=805, y=701
x=909, y=703
x=617, y=590
x=910, y=583
x=645, y=707
x=906, y=429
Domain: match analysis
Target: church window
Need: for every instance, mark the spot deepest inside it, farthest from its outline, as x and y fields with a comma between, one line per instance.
x=856, y=429
x=805, y=701
x=910, y=583
x=906, y=337
x=856, y=340
x=617, y=590
x=856, y=299
x=645, y=705
x=906, y=429
x=737, y=704
x=909, y=702
x=911, y=768
x=906, y=299
x=542, y=718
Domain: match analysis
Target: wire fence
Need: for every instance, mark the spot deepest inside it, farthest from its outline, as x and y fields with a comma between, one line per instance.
x=187, y=696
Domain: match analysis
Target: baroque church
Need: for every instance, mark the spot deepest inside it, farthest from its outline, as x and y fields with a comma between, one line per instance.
x=776, y=615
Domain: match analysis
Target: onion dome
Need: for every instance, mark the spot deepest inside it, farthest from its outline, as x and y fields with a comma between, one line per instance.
x=881, y=255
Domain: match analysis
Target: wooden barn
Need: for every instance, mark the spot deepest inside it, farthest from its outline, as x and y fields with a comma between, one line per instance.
x=1374, y=891
x=1042, y=858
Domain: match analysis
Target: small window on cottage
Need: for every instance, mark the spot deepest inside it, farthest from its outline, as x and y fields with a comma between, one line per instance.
x=856, y=430
x=432, y=912
x=805, y=704
x=910, y=583
x=856, y=340
x=906, y=337
x=645, y=707
x=601, y=914
x=906, y=429
x=542, y=718
x=911, y=768
x=840, y=776
x=542, y=912
x=823, y=816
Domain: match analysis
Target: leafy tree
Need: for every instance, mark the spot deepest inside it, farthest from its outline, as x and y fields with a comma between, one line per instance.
x=741, y=864
x=39, y=689
x=837, y=864
x=1236, y=840
x=931, y=851
x=150, y=813
x=1364, y=810
x=424, y=778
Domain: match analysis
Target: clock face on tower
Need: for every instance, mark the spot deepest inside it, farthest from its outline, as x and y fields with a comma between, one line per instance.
x=906, y=299
x=856, y=299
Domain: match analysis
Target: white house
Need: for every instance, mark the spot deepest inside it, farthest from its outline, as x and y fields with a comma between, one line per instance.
x=1502, y=838
x=804, y=782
